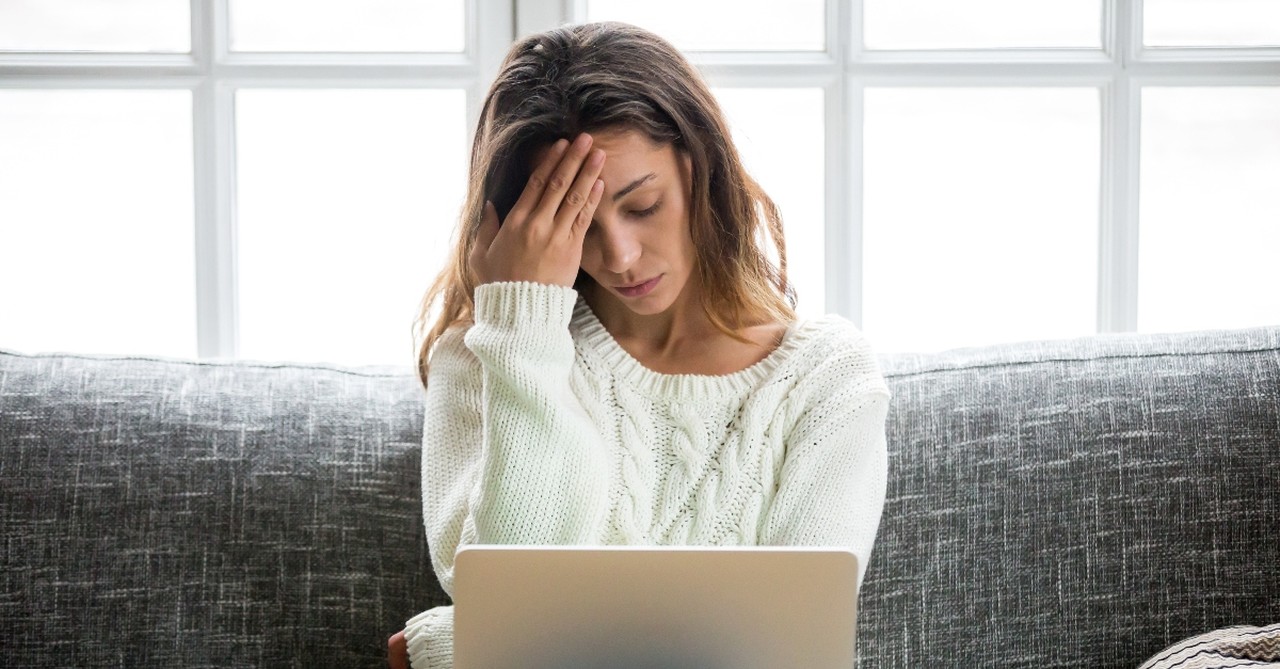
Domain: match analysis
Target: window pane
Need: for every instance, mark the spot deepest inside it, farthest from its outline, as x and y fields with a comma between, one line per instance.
x=981, y=24
x=723, y=25
x=1210, y=208
x=1211, y=23
x=96, y=222
x=980, y=215
x=346, y=202
x=779, y=133
x=94, y=25
x=347, y=25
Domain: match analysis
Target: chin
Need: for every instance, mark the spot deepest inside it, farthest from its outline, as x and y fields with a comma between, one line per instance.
x=646, y=307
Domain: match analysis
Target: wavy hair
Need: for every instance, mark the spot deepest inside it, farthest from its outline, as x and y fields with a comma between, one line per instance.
x=614, y=76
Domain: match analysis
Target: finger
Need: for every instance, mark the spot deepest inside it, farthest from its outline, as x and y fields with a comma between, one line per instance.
x=397, y=651
x=489, y=225
x=563, y=176
x=537, y=183
x=583, y=220
x=580, y=192
x=485, y=233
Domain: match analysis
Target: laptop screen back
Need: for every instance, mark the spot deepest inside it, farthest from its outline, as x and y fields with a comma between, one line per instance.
x=654, y=608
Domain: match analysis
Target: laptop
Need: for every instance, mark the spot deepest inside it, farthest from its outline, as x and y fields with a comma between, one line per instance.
x=627, y=607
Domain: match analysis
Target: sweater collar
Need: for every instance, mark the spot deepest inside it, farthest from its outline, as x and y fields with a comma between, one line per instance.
x=595, y=339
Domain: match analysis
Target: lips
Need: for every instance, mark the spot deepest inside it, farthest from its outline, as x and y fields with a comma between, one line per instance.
x=639, y=289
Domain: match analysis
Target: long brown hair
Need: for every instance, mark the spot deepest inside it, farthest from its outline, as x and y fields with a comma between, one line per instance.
x=610, y=76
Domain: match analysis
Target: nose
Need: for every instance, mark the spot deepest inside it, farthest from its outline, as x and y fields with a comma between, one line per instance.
x=619, y=248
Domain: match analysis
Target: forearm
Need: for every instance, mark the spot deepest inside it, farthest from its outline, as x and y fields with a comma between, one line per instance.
x=543, y=473
x=834, y=480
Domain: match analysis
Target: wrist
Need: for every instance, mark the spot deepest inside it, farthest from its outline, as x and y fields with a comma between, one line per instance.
x=510, y=304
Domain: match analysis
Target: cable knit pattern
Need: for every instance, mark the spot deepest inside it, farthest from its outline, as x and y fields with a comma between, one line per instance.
x=541, y=429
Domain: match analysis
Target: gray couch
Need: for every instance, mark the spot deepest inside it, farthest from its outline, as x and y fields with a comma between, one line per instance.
x=1060, y=504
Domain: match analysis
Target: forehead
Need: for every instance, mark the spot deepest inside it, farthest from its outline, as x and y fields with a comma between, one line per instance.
x=625, y=150
x=630, y=145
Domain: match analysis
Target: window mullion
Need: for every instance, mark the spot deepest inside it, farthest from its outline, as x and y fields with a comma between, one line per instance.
x=1118, y=221
x=491, y=26
x=1118, y=234
x=214, y=141
x=844, y=250
x=533, y=16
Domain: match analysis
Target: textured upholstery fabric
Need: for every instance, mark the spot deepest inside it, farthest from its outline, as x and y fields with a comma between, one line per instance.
x=1077, y=504
x=1080, y=503
x=206, y=515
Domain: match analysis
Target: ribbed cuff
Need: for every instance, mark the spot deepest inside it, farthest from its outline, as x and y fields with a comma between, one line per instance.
x=430, y=639
x=510, y=304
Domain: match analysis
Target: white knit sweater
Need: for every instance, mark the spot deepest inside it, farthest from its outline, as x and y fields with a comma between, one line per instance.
x=541, y=429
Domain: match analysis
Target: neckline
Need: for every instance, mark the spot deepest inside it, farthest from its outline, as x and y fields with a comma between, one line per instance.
x=685, y=386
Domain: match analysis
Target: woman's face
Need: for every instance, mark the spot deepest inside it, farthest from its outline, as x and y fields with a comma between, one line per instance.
x=639, y=248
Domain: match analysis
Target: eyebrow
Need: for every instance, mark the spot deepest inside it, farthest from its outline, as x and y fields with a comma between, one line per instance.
x=634, y=185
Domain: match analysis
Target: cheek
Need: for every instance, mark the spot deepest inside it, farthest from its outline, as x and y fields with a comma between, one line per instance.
x=678, y=234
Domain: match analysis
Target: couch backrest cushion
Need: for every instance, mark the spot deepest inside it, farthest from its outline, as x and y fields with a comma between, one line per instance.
x=1078, y=503
x=186, y=514
x=1062, y=504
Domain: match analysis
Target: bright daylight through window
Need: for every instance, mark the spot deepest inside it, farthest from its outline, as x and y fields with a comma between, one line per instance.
x=279, y=179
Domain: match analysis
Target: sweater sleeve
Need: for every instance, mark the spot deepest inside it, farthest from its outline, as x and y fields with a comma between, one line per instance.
x=509, y=455
x=831, y=489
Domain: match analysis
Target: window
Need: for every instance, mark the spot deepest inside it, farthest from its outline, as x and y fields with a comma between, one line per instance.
x=274, y=179
x=996, y=170
x=96, y=209
x=278, y=179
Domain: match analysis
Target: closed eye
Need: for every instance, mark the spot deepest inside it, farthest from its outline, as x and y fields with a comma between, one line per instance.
x=644, y=213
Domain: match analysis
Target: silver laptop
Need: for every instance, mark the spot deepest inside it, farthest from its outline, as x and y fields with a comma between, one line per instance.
x=541, y=607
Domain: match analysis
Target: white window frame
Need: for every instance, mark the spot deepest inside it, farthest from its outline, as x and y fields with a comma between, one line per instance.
x=1118, y=71
x=213, y=73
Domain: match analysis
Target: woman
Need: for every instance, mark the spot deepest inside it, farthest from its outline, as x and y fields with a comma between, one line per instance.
x=616, y=360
